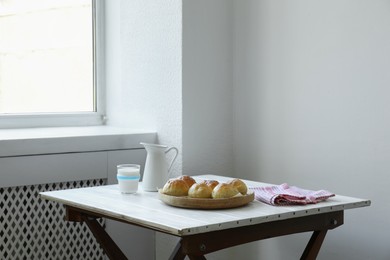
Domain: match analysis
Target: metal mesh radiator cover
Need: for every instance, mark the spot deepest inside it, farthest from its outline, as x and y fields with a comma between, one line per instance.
x=32, y=228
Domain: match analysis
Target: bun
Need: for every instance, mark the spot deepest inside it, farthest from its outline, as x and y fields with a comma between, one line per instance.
x=200, y=190
x=239, y=185
x=188, y=179
x=211, y=183
x=175, y=187
x=223, y=191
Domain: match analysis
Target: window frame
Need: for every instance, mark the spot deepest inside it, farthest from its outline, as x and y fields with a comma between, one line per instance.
x=94, y=118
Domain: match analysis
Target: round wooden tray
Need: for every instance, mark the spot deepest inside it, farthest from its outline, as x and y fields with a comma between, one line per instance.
x=196, y=203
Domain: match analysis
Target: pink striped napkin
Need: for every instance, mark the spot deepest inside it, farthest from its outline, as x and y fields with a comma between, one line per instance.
x=289, y=195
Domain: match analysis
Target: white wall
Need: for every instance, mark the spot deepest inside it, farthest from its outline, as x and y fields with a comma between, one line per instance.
x=144, y=68
x=207, y=92
x=312, y=108
x=309, y=101
x=144, y=74
x=207, y=87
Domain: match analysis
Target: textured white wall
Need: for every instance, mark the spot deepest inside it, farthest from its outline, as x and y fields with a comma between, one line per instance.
x=144, y=74
x=312, y=109
x=144, y=71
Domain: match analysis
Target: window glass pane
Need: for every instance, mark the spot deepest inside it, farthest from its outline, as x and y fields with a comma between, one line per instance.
x=46, y=56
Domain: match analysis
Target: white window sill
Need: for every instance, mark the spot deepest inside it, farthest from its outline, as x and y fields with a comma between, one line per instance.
x=36, y=141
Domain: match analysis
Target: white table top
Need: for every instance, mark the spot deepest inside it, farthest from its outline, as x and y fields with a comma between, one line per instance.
x=145, y=209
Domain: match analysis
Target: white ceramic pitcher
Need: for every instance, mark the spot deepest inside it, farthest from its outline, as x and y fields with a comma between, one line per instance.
x=156, y=171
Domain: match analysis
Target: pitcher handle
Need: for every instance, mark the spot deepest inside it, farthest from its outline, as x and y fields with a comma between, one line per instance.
x=174, y=158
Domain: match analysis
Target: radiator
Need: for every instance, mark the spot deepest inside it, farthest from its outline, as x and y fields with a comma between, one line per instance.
x=32, y=228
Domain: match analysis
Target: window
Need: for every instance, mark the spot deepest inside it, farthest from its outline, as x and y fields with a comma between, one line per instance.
x=48, y=63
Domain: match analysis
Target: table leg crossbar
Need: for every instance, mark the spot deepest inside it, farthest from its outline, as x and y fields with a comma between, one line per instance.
x=198, y=245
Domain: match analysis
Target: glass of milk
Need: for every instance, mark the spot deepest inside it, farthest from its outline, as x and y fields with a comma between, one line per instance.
x=128, y=176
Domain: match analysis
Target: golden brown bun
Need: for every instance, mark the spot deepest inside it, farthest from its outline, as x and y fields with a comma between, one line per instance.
x=240, y=186
x=211, y=183
x=176, y=187
x=200, y=190
x=188, y=179
x=223, y=191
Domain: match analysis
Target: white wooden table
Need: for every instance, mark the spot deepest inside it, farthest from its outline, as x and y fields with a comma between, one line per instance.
x=202, y=231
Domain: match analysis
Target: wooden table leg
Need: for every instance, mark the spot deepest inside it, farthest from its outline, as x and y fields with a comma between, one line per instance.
x=204, y=243
x=197, y=245
x=314, y=245
x=178, y=254
x=194, y=257
x=109, y=247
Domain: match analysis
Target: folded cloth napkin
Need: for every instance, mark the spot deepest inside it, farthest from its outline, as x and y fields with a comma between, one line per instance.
x=289, y=195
